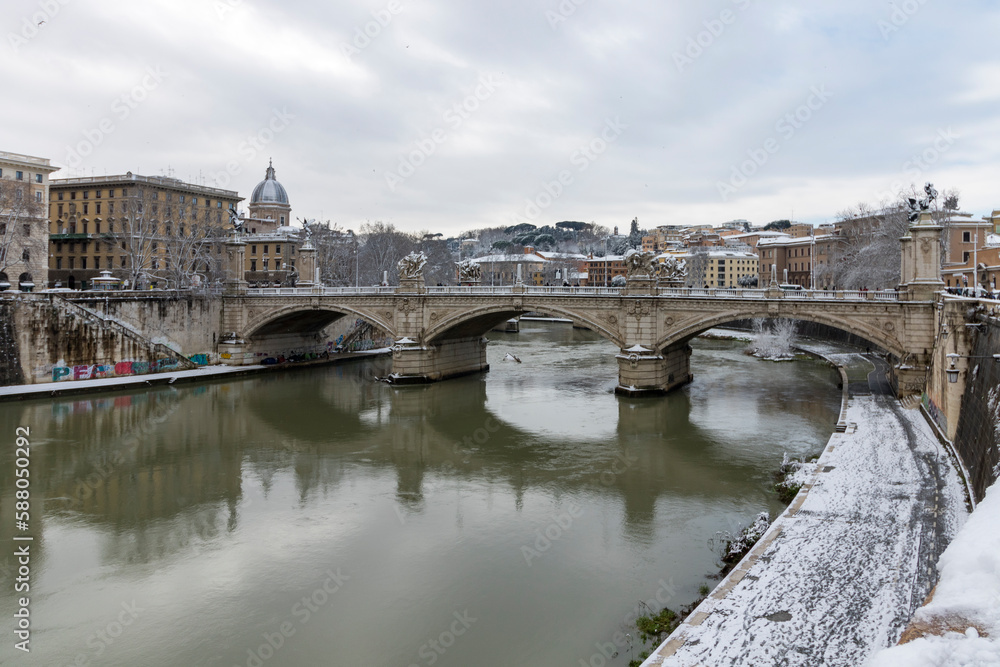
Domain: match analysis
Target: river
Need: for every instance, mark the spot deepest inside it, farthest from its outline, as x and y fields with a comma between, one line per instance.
x=319, y=517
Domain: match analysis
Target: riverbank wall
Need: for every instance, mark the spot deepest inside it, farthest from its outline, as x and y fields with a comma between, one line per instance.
x=59, y=338
x=839, y=573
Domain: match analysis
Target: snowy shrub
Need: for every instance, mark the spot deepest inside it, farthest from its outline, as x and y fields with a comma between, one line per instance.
x=772, y=340
x=618, y=281
x=736, y=546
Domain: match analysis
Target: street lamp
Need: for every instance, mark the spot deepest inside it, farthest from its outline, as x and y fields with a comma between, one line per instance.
x=952, y=371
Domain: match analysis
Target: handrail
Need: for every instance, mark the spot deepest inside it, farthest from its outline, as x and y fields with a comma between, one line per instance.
x=546, y=290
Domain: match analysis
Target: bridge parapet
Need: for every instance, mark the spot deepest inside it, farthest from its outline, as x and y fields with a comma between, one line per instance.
x=444, y=326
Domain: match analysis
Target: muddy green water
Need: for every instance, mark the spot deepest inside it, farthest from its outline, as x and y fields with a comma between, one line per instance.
x=319, y=517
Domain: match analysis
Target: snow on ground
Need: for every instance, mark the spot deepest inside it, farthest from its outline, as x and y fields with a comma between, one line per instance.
x=966, y=601
x=839, y=574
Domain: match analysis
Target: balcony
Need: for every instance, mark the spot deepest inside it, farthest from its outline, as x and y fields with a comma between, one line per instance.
x=70, y=237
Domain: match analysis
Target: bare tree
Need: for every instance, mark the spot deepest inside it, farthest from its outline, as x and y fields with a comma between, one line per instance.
x=440, y=268
x=869, y=254
x=697, y=267
x=21, y=236
x=382, y=247
x=136, y=232
x=336, y=252
x=192, y=253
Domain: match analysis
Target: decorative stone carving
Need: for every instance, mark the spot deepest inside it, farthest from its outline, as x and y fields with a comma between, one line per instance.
x=669, y=321
x=916, y=207
x=469, y=272
x=639, y=309
x=673, y=270
x=612, y=319
x=640, y=264
x=406, y=307
x=435, y=316
x=411, y=267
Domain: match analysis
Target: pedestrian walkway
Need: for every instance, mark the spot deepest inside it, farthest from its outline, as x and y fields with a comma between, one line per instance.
x=840, y=572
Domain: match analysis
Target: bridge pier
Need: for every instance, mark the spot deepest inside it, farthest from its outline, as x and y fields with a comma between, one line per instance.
x=414, y=363
x=646, y=372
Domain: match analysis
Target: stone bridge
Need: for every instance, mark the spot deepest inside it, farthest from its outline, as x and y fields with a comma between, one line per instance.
x=439, y=331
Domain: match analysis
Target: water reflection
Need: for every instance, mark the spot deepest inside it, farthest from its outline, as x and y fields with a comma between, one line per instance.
x=170, y=476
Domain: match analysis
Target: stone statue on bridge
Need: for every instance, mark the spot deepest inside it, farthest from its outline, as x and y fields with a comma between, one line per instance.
x=469, y=272
x=916, y=207
x=411, y=267
x=235, y=220
x=673, y=270
x=640, y=264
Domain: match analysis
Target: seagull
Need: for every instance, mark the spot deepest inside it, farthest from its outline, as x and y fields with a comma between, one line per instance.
x=511, y=357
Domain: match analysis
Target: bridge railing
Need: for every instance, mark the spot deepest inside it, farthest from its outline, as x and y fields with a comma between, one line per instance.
x=670, y=292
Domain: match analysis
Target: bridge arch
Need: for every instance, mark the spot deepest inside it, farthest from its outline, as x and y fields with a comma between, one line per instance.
x=884, y=335
x=306, y=319
x=479, y=320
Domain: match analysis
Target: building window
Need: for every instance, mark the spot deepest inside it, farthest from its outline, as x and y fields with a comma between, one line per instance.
x=38, y=196
x=965, y=257
x=253, y=249
x=265, y=263
x=27, y=230
x=966, y=237
x=19, y=175
x=277, y=250
x=253, y=264
x=58, y=263
x=72, y=263
x=86, y=194
x=85, y=225
x=97, y=227
x=60, y=196
x=98, y=195
x=98, y=209
x=110, y=262
x=265, y=249
x=83, y=262
x=111, y=208
x=86, y=208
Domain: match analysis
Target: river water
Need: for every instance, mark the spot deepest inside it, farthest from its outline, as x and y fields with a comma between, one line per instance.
x=319, y=517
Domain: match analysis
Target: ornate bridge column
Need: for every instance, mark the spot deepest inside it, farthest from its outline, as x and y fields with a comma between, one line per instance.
x=235, y=267
x=642, y=369
x=307, y=266
x=414, y=359
x=920, y=265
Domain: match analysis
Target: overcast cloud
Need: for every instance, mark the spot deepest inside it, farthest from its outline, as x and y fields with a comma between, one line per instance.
x=454, y=115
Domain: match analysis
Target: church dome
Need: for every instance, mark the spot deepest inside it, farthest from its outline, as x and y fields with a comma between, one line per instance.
x=269, y=191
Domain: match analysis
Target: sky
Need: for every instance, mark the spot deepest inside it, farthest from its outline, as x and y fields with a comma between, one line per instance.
x=445, y=116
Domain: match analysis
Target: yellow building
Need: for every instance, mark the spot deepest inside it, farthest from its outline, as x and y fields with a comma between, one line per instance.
x=24, y=198
x=151, y=231
x=719, y=268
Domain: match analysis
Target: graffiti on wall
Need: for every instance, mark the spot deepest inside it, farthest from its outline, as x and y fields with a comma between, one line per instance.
x=119, y=369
